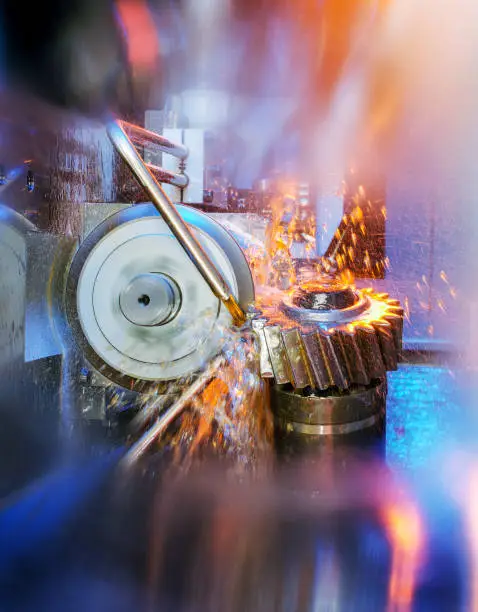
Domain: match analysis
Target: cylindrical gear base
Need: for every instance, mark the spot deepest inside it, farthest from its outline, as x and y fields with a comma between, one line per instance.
x=334, y=419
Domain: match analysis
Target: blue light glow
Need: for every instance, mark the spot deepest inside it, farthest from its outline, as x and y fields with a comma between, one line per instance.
x=424, y=412
x=36, y=518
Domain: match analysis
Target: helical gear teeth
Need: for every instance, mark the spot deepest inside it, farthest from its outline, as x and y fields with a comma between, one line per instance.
x=315, y=358
x=398, y=337
x=398, y=328
x=277, y=354
x=396, y=309
x=355, y=365
x=264, y=358
x=354, y=353
x=370, y=350
x=334, y=358
x=396, y=322
x=383, y=329
x=297, y=358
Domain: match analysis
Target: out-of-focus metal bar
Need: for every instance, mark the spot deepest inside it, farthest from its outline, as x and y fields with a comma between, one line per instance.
x=144, y=137
x=167, y=210
x=163, y=176
x=153, y=433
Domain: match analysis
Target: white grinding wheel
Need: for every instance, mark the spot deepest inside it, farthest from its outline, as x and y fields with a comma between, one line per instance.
x=136, y=304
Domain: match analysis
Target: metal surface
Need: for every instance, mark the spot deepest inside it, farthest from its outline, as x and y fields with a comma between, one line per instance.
x=19, y=223
x=325, y=314
x=109, y=270
x=326, y=295
x=341, y=429
x=28, y=274
x=333, y=414
x=48, y=257
x=92, y=214
x=156, y=123
x=150, y=299
x=13, y=277
x=180, y=230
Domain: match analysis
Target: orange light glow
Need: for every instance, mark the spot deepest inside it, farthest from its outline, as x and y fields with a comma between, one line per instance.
x=274, y=267
x=405, y=531
x=231, y=416
x=141, y=36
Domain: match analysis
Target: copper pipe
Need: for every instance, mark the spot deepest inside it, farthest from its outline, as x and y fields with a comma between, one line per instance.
x=143, y=137
x=175, y=222
x=171, y=178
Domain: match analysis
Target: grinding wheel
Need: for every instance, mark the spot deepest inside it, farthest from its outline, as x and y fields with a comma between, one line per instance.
x=137, y=306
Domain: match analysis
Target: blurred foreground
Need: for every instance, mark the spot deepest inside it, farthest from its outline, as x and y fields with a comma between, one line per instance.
x=345, y=532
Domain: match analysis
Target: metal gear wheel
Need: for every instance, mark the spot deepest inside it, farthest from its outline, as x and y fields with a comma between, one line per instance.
x=326, y=334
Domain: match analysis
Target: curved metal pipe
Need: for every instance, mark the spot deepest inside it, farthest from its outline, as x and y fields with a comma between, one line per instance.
x=171, y=178
x=175, y=222
x=144, y=137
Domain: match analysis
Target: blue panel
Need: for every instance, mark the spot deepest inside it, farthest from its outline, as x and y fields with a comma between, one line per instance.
x=425, y=411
